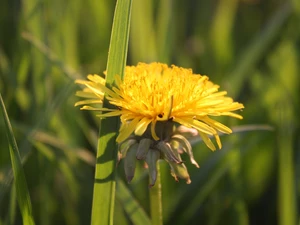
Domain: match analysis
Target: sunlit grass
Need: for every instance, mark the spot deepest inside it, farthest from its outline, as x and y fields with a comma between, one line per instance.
x=106, y=161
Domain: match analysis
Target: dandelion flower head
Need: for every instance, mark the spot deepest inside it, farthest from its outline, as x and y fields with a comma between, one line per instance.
x=154, y=94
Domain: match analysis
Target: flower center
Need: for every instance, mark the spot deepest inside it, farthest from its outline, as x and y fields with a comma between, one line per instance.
x=166, y=115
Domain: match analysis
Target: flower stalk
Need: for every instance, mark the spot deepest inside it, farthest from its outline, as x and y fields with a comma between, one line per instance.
x=156, y=199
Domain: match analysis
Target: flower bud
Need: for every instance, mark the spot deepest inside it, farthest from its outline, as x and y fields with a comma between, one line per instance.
x=151, y=159
x=123, y=147
x=180, y=170
x=129, y=162
x=166, y=149
x=186, y=146
x=143, y=148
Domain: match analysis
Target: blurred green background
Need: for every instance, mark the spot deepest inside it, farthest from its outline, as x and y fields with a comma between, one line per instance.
x=250, y=47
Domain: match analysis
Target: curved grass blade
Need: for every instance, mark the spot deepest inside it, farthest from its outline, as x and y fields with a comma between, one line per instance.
x=104, y=184
x=20, y=180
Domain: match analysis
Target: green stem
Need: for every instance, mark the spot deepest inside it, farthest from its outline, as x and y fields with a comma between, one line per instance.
x=155, y=200
x=287, y=206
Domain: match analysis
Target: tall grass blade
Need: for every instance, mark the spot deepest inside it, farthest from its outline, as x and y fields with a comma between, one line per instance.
x=20, y=180
x=286, y=185
x=287, y=203
x=104, y=184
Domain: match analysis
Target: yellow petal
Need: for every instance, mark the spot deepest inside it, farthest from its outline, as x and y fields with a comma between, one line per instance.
x=202, y=127
x=86, y=107
x=142, y=126
x=153, y=133
x=207, y=141
x=232, y=115
x=114, y=113
x=96, y=78
x=89, y=101
x=218, y=141
x=219, y=126
x=86, y=94
x=127, y=129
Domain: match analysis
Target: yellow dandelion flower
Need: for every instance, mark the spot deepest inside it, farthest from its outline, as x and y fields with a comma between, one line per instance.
x=155, y=92
x=150, y=100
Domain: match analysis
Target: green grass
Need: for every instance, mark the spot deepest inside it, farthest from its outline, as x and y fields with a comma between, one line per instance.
x=20, y=183
x=250, y=48
x=105, y=173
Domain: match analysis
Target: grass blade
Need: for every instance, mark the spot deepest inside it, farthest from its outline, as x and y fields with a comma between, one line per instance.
x=287, y=206
x=104, y=184
x=20, y=180
x=134, y=211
